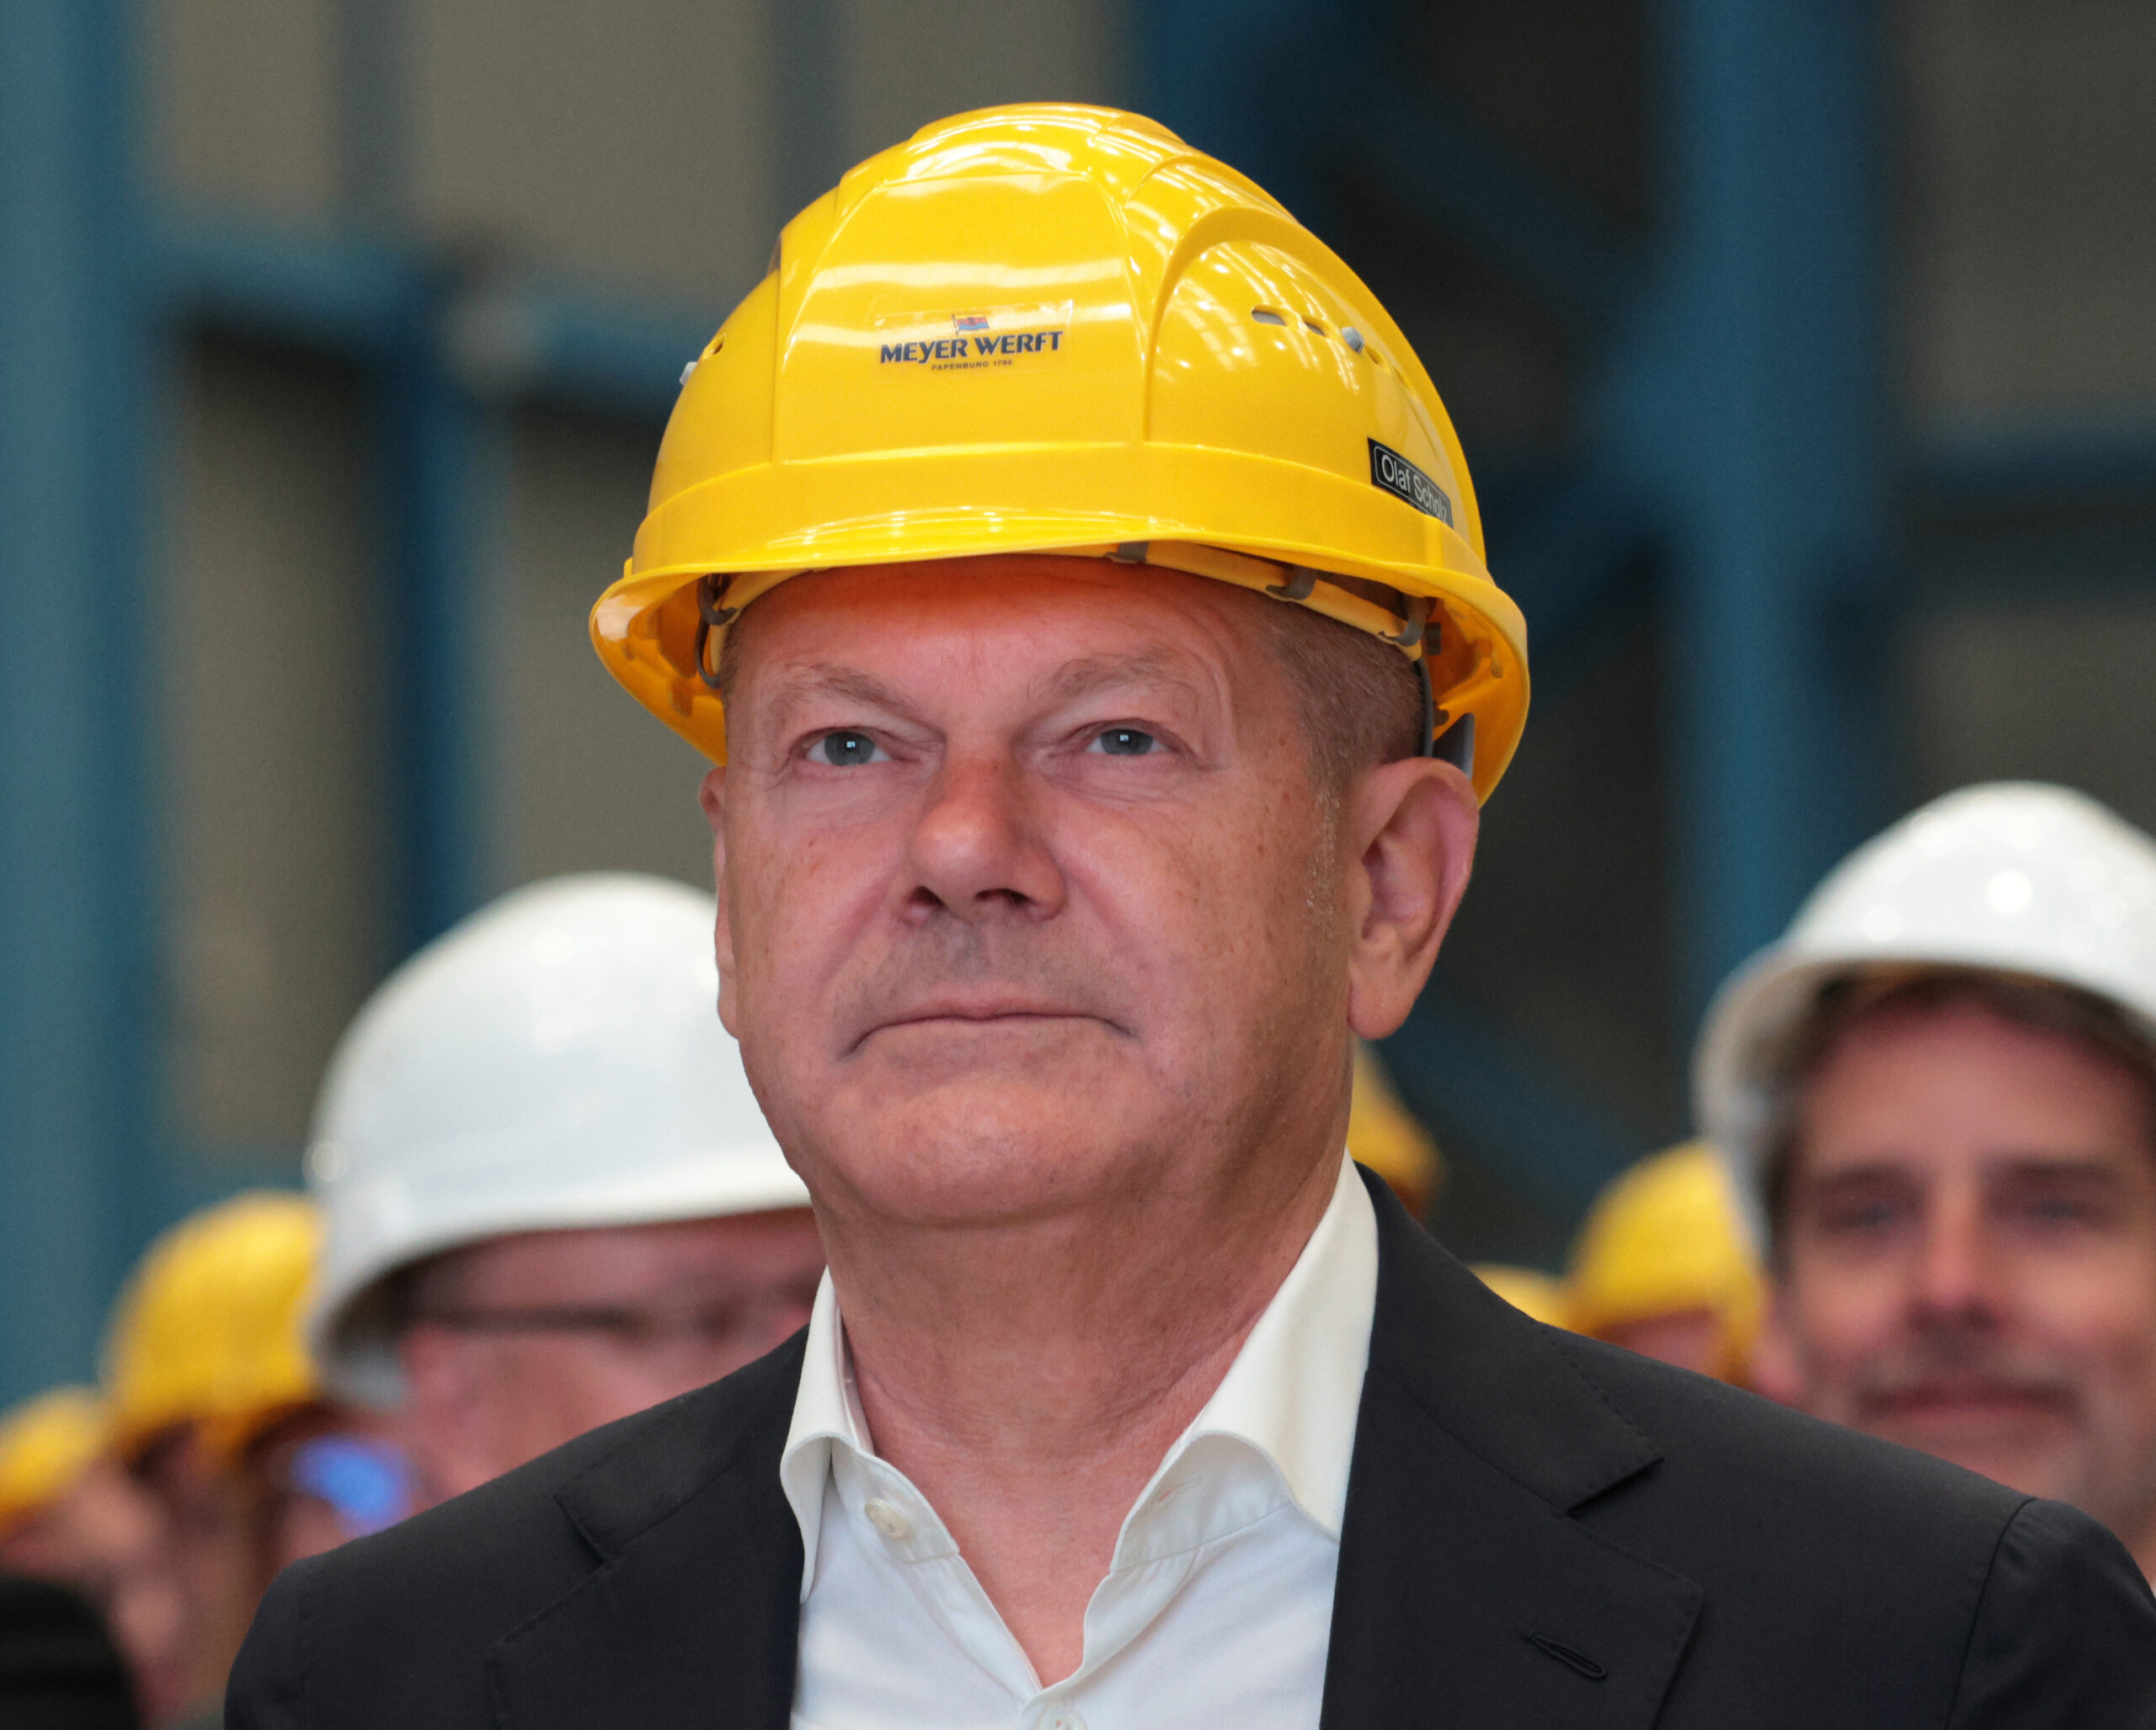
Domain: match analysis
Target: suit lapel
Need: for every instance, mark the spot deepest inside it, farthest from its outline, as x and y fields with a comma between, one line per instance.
x=693, y=1616
x=1467, y=1596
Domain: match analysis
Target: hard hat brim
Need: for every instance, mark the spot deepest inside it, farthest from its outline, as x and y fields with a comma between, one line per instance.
x=873, y=510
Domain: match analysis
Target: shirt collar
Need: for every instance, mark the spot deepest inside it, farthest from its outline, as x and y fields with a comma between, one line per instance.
x=1291, y=1394
x=1294, y=1389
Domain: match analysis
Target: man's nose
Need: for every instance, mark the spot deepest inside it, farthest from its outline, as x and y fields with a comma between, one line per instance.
x=978, y=848
x=1956, y=1277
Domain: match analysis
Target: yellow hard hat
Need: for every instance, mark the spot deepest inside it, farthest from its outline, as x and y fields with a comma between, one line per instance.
x=1054, y=328
x=208, y=1333
x=46, y=1443
x=1382, y=1136
x=1528, y=1289
x=1664, y=1237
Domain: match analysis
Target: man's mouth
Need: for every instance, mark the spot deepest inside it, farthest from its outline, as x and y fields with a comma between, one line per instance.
x=962, y=1013
x=1952, y=1400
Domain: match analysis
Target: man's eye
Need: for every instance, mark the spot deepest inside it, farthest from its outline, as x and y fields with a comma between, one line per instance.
x=1124, y=742
x=846, y=750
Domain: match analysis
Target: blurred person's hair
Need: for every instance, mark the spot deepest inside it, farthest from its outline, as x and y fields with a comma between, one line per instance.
x=2097, y=1027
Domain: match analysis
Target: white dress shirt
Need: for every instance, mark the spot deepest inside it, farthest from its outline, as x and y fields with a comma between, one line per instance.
x=1217, y=1608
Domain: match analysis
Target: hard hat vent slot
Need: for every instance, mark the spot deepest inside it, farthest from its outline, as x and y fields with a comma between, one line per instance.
x=1313, y=325
x=1266, y=315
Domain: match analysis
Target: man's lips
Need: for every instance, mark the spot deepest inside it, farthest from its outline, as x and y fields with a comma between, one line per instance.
x=980, y=1012
x=1949, y=1399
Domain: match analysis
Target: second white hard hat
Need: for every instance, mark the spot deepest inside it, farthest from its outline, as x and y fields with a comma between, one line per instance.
x=2013, y=877
x=555, y=1062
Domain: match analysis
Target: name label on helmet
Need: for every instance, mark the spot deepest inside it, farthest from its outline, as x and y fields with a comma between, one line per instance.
x=1401, y=479
x=950, y=341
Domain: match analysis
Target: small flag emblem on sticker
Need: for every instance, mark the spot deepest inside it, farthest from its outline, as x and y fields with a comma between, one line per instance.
x=963, y=322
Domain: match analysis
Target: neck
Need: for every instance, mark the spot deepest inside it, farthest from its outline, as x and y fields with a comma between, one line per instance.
x=1030, y=1377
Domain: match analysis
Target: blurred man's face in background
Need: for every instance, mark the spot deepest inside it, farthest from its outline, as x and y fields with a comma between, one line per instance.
x=105, y=1538
x=1968, y=1254
x=522, y=1343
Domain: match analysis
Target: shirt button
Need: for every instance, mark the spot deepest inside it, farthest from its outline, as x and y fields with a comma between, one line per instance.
x=1066, y=1721
x=887, y=1519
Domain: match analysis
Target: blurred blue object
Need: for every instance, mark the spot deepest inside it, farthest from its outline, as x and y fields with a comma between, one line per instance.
x=368, y=1482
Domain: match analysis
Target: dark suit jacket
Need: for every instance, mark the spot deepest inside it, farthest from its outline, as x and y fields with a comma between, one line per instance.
x=58, y=1670
x=1541, y=1531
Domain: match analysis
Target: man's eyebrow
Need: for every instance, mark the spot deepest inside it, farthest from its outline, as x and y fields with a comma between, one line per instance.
x=798, y=685
x=2070, y=1167
x=1093, y=673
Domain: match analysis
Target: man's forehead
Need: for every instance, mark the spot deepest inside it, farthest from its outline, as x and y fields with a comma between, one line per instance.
x=1065, y=626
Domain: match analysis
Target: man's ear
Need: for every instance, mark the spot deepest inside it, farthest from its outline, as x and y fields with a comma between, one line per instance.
x=712, y=796
x=1411, y=826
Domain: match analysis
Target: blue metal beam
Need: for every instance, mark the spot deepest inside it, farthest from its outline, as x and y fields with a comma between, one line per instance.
x=2026, y=462
x=1746, y=397
x=530, y=339
x=78, y=658
x=331, y=290
x=438, y=477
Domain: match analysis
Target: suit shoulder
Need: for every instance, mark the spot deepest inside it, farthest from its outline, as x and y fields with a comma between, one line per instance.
x=1717, y=1441
x=439, y=1589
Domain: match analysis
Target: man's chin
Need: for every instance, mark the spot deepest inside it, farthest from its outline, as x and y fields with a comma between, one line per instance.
x=2035, y=1449
x=976, y=1149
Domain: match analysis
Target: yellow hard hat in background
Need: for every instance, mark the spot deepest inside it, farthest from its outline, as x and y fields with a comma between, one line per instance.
x=1665, y=1237
x=1382, y=1136
x=1055, y=329
x=46, y=1443
x=1529, y=1290
x=208, y=1332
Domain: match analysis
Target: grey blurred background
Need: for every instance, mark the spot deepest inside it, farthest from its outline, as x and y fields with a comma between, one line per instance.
x=1803, y=349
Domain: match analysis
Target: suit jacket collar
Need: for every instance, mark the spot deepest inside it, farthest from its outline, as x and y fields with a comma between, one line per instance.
x=1467, y=1594
x=692, y=1616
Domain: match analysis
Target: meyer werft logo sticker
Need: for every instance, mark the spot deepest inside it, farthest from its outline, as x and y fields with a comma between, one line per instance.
x=1401, y=479
x=952, y=342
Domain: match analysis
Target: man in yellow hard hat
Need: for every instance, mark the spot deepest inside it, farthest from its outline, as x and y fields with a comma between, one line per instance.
x=1074, y=575
x=1663, y=1265
x=216, y=1410
x=68, y=1513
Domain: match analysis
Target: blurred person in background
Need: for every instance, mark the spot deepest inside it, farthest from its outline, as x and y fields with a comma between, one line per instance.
x=69, y=1514
x=1663, y=1266
x=551, y=1197
x=59, y=1670
x=216, y=1411
x=1541, y=1296
x=1938, y=1094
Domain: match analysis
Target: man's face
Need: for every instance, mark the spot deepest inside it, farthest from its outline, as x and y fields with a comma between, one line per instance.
x=1028, y=897
x=1969, y=1256
x=540, y=1336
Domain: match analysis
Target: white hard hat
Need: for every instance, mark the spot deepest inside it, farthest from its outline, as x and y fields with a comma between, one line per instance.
x=2013, y=877
x=555, y=1061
